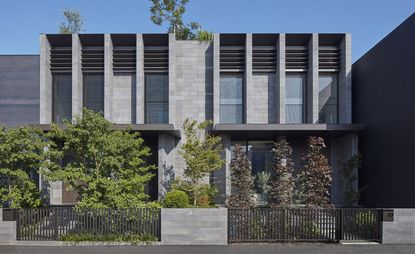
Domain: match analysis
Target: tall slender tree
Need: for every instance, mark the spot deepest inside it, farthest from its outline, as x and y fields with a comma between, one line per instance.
x=242, y=182
x=73, y=23
x=281, y=179
x=316, y=174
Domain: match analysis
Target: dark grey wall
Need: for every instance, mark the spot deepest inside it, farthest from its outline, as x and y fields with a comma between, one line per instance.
x=384, y=101
x=19, y=89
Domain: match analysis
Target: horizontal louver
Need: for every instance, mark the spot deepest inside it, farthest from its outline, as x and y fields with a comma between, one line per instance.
x=264, y=59
x=124, y=59
x=329, y=58
x=232, y=58
x=156, y=59
x=296, y=58
x=61, y=59
x=93, y=59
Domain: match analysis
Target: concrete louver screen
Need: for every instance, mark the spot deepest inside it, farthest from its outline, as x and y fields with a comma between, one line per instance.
x=296, y=58
x=232, y=58
x=156, y=58
x=124, y=59
x=61, y=59
x=329, y=58
x=264, y=59
x=93, y=59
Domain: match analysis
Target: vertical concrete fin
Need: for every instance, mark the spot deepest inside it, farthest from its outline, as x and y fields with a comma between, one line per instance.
x=140, y=80
x=248, y=80
x=108, y=74
x=345, y=80
x=45, y=97
x=77, y=78
x=166, y=162
x=172, y=78
x=216, y=78
x=312, y=81
x=280, y=72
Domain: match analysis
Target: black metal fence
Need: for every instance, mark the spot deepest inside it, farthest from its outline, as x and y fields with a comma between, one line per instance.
x=51, y=224
x=303, y=224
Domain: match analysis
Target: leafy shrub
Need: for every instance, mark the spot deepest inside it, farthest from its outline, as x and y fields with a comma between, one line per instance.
x=205, y=194
x=364, y=219
x=87, y=237
x=176, y=199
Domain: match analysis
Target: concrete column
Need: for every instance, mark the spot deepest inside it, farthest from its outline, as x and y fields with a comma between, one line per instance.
x=312, y=81
x=248, y=80
x=108, y=77
x=166, y=162
x=345, y=80
x=216, y=78
x=140, y=80
x=55, y=192
x=222, y=177
x=280, y=73
x=77, y=77
x=172, y=79
x=45, y=107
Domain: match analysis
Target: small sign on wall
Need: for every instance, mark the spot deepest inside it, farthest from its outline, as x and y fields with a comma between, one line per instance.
x=387, y=215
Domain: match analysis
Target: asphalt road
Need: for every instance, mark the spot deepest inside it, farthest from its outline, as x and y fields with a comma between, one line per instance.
x=230, y=249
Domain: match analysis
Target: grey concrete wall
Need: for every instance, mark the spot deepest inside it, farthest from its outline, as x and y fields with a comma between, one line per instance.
x=383, y=100
x=280, y=76
x=172, y=79
x=140, y=90
x=216, y=77
x=109, y=84
x=313, y=81
x=401, y=230
x=167, y=169
x=194, y=226
x=45, y=79
x=123, y=98
x=77, y=77
x=262, y=99
x=19, y=89
x=221, y=178
x=345, y=80
x=7, y=230
x=55, y=193
x=249, y=91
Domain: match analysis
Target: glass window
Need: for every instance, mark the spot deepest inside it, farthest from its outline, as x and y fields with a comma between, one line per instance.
x=157, y=98
x=231, y=99
x=62, y=97
x=94, y=92
x=294, y=98
x=328, y=90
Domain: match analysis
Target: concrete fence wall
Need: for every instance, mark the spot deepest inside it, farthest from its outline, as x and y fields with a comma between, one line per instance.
x=7, y=230
x=402, y=229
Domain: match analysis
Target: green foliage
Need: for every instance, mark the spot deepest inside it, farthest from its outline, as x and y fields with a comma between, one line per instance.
x=316, y=174
x=73, y=22
x=22, y=153
x=207, y=193
x=262, y=182
x=201, y=152
x=132, y=238
x=281, y=180
x=241, y=180
x=350, y=177
x=106, y=167
x=364, y=219
x=176, y=199
x=171, y=11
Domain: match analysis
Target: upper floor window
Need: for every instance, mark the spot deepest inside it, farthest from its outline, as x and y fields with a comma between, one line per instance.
x=328, y=98
x=157, y=98
x=231, y=98
x=94, y=91
x=294, y=98
x=62, y=97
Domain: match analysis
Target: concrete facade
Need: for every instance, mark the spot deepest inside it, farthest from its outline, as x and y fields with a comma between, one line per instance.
x=208, y=226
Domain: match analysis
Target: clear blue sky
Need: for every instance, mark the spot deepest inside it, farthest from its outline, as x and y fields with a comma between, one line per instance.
x=367, y=20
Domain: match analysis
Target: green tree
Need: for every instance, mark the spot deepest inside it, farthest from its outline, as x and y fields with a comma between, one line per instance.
x=171, y=12
x=281, y=180
x=106, y=167
x=316, y=174
x=202, y=154
x=73, y=23
x=22, y=154
x=350, y=176
x=242, y=181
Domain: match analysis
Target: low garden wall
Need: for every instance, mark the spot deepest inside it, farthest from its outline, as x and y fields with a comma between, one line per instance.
x=7, y=230
x=401, y=228
x=194, y=226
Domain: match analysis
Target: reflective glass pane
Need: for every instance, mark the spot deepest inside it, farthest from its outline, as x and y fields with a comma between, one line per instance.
x=328, y=100
x=94, y=92
x=231, y=99
x=294, y=98
x=157, y=94
x=62, y=97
